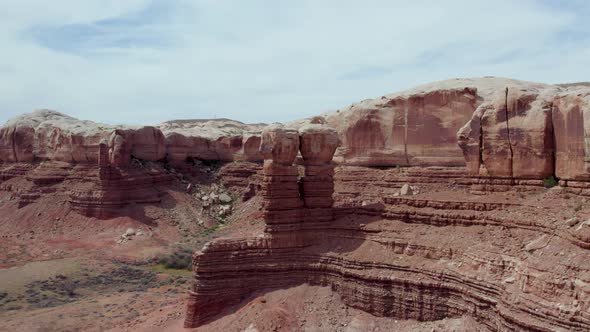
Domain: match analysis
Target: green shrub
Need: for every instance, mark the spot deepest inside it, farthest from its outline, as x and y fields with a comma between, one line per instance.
x=181, y=259
x=550, y=182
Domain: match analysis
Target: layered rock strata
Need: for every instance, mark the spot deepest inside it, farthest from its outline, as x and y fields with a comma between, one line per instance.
x=118, y=183
x=289, y=205
x=107, y=195
x=318, y=144
x=510, y=265
x=280, y=183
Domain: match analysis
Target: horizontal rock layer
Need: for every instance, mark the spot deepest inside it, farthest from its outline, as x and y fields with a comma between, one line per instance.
x=414, y=259
x=83, y=187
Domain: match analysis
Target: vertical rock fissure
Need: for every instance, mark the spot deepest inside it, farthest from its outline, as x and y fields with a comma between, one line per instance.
x=481, y=139
x=406, y=133
x=14, y=145
x=553, y=144
x=508, y=131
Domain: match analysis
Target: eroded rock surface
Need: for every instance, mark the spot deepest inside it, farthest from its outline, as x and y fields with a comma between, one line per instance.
x=571, y=123
x=498, y=128
x=511, y=136
x=49, y=135
x=220, y=139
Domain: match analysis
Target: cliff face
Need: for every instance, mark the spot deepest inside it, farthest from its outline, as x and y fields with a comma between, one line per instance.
x=571, y=124
x=511, y=136
x=497, y=128
x=416, y=129
x=49, y=135
x=511, y=264
x=528, y=132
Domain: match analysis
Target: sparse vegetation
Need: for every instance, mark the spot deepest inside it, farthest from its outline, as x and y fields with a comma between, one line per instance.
x=550, y=182
x=160, y=268
x=180, y=259
x=69, y=287
x=61, y=289
x=210, y=230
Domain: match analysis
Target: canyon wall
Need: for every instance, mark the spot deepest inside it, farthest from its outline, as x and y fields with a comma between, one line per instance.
x=418, y=129
x=510, y=265
x=46, y=135
x=497, y=128
x=529, y=132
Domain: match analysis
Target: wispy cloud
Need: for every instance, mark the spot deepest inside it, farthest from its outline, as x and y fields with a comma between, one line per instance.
x=145, y=61
x=144, y=28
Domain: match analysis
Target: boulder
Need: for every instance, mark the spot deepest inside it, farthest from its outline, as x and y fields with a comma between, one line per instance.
x=148, y=143
x=280, y=144
x=225, y=198
x=317, y=144
x=119, y=149
x=406, y=190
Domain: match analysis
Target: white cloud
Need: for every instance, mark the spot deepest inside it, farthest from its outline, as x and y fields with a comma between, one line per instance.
x=147, y=61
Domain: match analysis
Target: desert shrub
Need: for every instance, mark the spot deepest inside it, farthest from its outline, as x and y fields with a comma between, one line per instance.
x=180, y=259
x=550, y=182
x=69, y=287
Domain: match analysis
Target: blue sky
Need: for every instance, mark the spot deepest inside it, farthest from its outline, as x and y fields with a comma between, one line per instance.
x=147, y=61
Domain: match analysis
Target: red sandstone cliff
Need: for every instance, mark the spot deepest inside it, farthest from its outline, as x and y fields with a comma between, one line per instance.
x=50, y=135
x=498, y=128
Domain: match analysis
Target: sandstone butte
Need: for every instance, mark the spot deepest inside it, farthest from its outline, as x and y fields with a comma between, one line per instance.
x=478, y=237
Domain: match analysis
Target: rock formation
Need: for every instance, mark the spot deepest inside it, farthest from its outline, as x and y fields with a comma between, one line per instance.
x=46, y=135
x=402, y=257
x=510, y=137
x=318, y=144
x=571, y=124
x=280, y=186
x=286, y=209
x=413, y=129
x=221, y=139
x=498, y=128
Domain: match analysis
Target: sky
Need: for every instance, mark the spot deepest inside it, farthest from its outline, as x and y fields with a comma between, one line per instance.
x=148, y=61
